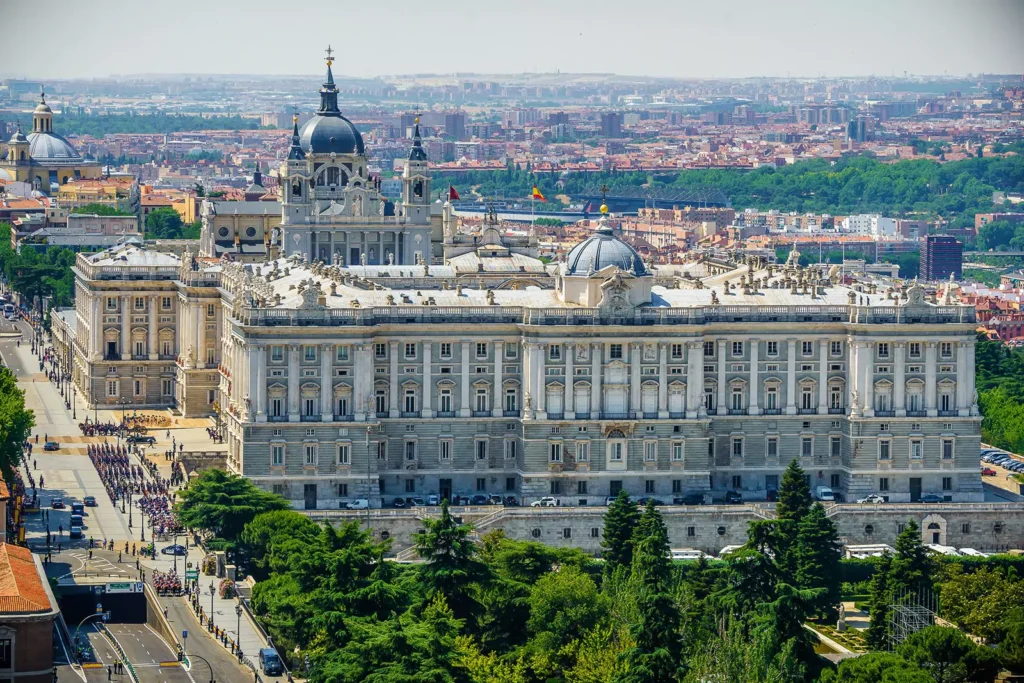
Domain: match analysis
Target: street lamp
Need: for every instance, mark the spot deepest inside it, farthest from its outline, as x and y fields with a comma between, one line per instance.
x=238, y=623
x=205, y=662
x=213, y=592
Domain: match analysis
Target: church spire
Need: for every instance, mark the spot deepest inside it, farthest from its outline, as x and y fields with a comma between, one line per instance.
x=329, y=91
x=417, y=153
x=295, y=152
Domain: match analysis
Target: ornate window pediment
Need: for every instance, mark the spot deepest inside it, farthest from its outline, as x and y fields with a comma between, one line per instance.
x=555, y=385
x=947, y=384
x=807, y=382
x=883, y=385
x=510, y=383
x=411, y=384
x=772, y=381
x=341, y=389
x=677, y=386
x=481, y=383
x=582, y=384
x=649, y=384
x=737, y=382
x=446, y=383
x=916, y=384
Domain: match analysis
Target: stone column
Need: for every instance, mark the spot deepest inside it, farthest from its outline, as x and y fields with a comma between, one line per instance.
x=464, y=409
x=662, y=380
x=154, y=351
x=499, y=358
x=753, y=409
x=866, y=366
x=695, y=379
x=542, y=385
x=963, y=402
x=200, y=334
x=722, y=408
x=823, y=376
x=527, y=375
x=293, y=382
x=363, y=382
x=635, y=357
x=261, y=382
x=97, y=342
x=899, y=391
x=970, y=369
x=326, y=383
x=428, y=385
x=126, y=324
x=853, y=390
x=595, y=381
x=570, y=394
x=930, y=386
x=791, y=377
x=394, y=408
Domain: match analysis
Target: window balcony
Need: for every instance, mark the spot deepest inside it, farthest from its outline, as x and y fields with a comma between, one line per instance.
x=278, y=418
x=310, y=418
x=651, y=416
x=143, y=356
x=917, y=413
x=836, y=411
x=615, y=416
x=344, y=418
x=807, y=411
x=773, y=411
x=410, y=413
x=108, y=356
x=381, y=413
x=677, y=416
x=481, y=413
x=948, y=413
x=737, y=411
x=551, y=416
x=885, y=413
x=442, y=413
x=510, y=413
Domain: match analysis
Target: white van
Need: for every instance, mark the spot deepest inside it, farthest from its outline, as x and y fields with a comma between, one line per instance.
x=359, y=504
x=824, y=493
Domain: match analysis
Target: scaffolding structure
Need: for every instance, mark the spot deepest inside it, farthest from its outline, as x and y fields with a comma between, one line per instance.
x=910, y=610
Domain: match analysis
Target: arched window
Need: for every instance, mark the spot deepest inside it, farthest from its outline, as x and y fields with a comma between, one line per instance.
x=333, y=175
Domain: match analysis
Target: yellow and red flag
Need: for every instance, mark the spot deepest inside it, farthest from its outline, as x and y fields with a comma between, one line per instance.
x=537, y=194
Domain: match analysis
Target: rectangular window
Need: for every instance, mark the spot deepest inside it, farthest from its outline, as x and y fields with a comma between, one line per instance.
x=615, y=351
x=677, y=486
x=884, y=450
x=691, y=531
x=410, y=450
x=807, y=447
x=737, y=348
x=380, y=350
x=836, y=446
x=737, y=447
x=211, y=310
x=649, y=486
x=555, y=351
x=112, y=388
x=309, y=353
x=835, y=398
x=311, y=453
x=165, y=303
x=140, y=304
x=947, y=483
x=277, y=456
x=807, y=348
x=581, y=488
x=677, y=352
x=709, y=349
x=481, y=450
x=835, y=348
x=556, y=487
x=737, y=481
x=446, y=350
x=511, y=351
x=914, y=349
x=481, y=350
x=737, y=399
x=916, y=449
x=277, y=353
x=382, y=450
x=883, y=350
x=167, y=387
x=773, y=348
x=410, y=486
x=445, y=450
x=555, y=451
x=650, y=451
x=510, y=483
x=883, y=483
x=833, y=481
x=342, y=353
x=946, y=349
x=410, y=351
x=617, y=451
x=343, y=454
x=276, y=407
x=771, y=447
x=947, y=449
x=583, y=451
x=965, y=528
x=807, y=399
x=677, y=451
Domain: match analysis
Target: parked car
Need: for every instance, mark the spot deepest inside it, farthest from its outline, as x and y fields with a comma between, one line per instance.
x=931, y=498
x=494, y=499
x=399, y=502
x=141, y=438
x=76, y=532
x=89, y=501
x=871, y=498
x=642, y=502
x=479, y=499
x=359, y=504
x=270, y=662
x=689, y=499
x=824, y=493
x=733, y=497
x=57, y=503
x=988, y=472
x=545, y=502
x=51, y=446
x=433, y=499
x=78, y=509
x=77, y=520
x=772, y=496
x=175, y=549
x=511, y=501
x=460, y=500
x=414, y=501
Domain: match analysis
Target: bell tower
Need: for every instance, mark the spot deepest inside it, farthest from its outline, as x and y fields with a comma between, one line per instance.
x=294, y=184
x=416, y=181
x=42, y=117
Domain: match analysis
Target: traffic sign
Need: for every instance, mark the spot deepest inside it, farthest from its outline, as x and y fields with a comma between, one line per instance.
x=184, y=635
x=191, y=574
x=125, y=587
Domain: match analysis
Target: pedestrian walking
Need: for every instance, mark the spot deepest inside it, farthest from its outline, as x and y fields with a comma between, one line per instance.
x=110, y=673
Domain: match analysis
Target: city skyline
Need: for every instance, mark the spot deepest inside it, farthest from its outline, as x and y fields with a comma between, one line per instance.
x=733, y=41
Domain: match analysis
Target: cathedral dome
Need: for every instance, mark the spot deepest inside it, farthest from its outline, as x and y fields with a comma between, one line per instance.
x=50, y=146
x=330, y=132
x=603, y=249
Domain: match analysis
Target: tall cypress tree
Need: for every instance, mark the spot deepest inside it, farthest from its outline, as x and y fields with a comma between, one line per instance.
x=878, y=632
x=794, y=503
x=817, y=553
x=619, y=525
x=912, y=566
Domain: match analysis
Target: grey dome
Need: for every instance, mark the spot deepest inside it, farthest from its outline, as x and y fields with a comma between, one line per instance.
x=43, y=146
x=600, y=250
x=328, y=133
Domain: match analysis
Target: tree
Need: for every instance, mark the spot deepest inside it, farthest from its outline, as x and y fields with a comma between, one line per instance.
x=1011, y=649
x=163, y=223
x=221, y=504
x=15, y=423
x=949, y=656
x=101, y=210
x=451, y=566
x=794, y=502
x=877, y=635
x=817, y=553
x=877, y=667
x=564, y=606
x=619, y=525
x=912, y=566
x=273, y=541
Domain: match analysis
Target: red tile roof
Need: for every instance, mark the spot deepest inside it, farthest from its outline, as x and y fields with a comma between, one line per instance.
x=21, y=587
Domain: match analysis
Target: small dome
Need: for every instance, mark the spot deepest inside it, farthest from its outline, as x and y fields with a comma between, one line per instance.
x=43, y=146
x=43, y=108
x=324, y=134
x=17, y=137
x=603, y=249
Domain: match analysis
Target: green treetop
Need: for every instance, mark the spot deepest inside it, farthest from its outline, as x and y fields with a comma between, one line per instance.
x=619, y=524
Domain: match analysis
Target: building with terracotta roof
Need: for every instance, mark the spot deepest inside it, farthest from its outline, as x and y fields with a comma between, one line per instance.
x=27, y=612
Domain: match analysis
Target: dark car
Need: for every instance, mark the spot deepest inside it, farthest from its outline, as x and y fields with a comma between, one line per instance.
x=732, y=497
x=57, y=503
x=931, y=498
x=414, y=501
x=174, y=550
x=270, y=662
x=494, y=499
x=642, y=502
x=78, y=509
x=479, y=499
x=511, y=501
x=773, y=496
x=399, y=503
x=89, y=501
x=141, y=438
x=51, y=446
x=689, y=499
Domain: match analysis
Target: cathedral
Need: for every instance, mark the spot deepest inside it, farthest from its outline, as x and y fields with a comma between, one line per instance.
x=331, y=209
x=44, y=158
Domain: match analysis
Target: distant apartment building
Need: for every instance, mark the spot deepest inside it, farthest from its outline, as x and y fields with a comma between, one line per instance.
x=784, y=222
x=721, y=217
x=555, y=118
x=455, y=125
x=941, y=255
x=611, y=124
x=122, y=194
x=869, y=224
x=983, y=219
x=82, y=232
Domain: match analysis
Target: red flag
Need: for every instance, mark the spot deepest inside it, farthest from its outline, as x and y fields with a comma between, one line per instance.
x=452, y=193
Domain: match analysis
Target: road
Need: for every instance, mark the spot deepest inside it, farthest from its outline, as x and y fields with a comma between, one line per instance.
x=146, y=651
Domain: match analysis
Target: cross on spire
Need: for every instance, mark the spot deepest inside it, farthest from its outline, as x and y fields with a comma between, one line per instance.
x=604, y=192
x=329, y=51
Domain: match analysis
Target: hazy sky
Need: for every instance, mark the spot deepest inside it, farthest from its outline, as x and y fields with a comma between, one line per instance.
x=685, y=38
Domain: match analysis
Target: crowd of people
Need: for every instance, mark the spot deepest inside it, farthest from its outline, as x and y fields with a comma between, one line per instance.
x=99, y=428
x=167, y=583
x=214, y=435
x=161, y=517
